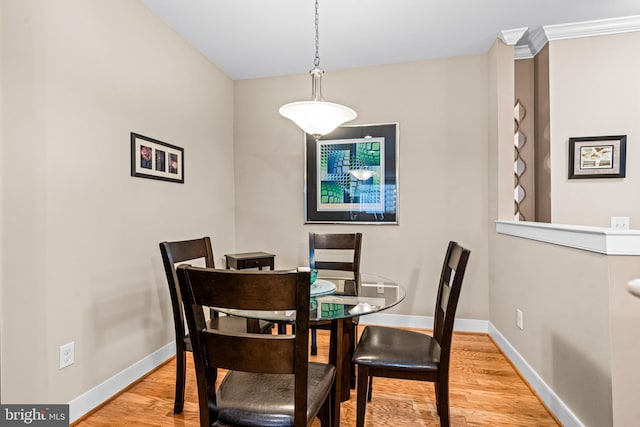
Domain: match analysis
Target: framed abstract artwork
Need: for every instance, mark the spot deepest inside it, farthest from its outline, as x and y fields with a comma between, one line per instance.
x=597, y=157
x=351, y=175
x=155, y=159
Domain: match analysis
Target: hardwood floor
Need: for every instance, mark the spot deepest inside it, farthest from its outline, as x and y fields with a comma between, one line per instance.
x=485, y=390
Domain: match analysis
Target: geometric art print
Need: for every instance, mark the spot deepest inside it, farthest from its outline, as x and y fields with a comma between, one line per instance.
x=350, y=175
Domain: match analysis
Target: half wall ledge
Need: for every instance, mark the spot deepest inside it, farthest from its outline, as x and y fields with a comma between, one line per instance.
x=601, y=240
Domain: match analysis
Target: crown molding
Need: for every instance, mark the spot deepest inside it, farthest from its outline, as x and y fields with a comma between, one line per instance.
x=523, y=52
x=537, y=40
x=600, y=27
x=533, y=41
x=513, y=36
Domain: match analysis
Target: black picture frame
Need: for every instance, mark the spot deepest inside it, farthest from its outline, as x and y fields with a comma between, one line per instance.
x=154, y=159
x=342, y=197
x=597, y=157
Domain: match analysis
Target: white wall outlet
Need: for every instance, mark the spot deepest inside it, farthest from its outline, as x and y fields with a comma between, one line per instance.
x=620, y=222
x=519, y=319
x=67, y=356
x=380, y=289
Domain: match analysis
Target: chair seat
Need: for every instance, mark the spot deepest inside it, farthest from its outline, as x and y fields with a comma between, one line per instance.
x=390, y=348
x=268, y=392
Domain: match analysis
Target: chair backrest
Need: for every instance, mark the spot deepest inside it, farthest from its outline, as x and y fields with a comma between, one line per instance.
x=335, y=241
x=248, y=352
x=173, y=253
x=453, y=269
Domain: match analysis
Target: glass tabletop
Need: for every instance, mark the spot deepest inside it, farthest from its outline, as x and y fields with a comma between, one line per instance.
x=339, y=295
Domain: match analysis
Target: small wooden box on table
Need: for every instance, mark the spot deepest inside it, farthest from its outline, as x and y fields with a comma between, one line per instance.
x=250, y=260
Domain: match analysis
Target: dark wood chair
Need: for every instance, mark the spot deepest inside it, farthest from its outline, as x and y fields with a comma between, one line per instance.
x=188, y=250
x=397, y=353
x=332, y=242
x=270, y=381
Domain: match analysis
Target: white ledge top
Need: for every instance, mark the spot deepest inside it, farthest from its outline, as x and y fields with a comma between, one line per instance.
x=601, y=240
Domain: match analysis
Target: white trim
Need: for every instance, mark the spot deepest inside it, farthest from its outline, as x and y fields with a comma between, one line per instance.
x=422, y=322
x=548, y=396
x=601, y=240
x=536, y=39
x=511, y=37
x=523, y=52
x=86, y=402
x=600, y=27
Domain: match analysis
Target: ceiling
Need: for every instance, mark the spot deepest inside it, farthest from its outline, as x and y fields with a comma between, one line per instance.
x=262, y=38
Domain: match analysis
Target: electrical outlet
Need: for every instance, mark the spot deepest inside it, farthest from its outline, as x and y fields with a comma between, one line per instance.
x=67, y=356
x=620, y=222
x=380, y=289
x=519, y=319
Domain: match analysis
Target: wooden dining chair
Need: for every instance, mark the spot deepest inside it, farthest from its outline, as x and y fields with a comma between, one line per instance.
x=327, y=244
x=270, y=381
x=188, y=250
x=397, y=353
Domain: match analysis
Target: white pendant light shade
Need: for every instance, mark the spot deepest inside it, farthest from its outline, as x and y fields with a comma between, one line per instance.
x=317, y=118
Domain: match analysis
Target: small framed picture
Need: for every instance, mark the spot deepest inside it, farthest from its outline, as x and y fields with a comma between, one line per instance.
x=155, y=159
x=597, y=157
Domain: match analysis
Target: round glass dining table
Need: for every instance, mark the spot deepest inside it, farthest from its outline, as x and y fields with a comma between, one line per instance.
x=337, y=297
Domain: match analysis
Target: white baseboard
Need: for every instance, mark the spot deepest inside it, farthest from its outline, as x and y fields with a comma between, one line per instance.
x=86, y=402
x=422, y=322
x=548, y=396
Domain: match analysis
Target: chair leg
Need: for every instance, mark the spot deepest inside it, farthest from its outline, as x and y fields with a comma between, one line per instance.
x=325, y=412
x=353, y=342
x=361, y=401
x=352, y=381
x=314, y=345
x=442, y=402
x=181, y=370
x=370, y=388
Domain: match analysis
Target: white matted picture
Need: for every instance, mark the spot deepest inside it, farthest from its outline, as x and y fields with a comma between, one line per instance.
x=351, y=175
x=155, y=159
x=597, y=157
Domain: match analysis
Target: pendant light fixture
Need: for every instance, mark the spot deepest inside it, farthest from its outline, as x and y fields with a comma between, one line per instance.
x=317, y=117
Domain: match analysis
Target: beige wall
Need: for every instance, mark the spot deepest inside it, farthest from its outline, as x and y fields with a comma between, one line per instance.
x=524, y=92
x=500, y=144
x=542, y=143
x=564, y=296
x=542, y=135
x=588, y=99
x=81, y=258
x=441, y=108
x=625, y=336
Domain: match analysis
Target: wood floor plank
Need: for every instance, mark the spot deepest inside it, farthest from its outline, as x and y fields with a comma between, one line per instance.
x=485, y=390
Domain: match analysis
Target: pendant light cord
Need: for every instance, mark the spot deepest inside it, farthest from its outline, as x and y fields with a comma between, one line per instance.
x=317, y=117
x=316, y=61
